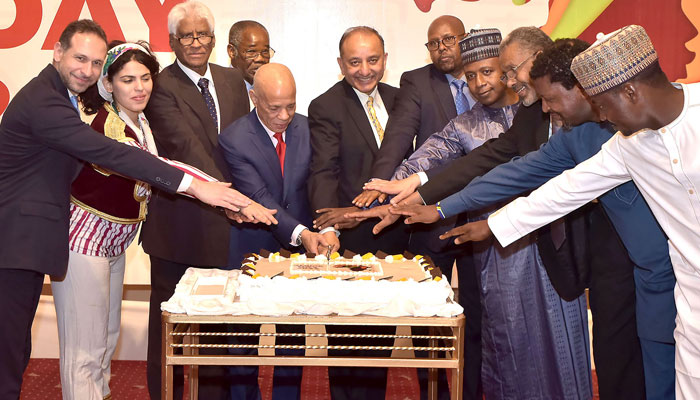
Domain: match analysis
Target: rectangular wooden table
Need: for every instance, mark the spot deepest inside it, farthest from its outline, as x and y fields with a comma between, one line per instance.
x=181, y=345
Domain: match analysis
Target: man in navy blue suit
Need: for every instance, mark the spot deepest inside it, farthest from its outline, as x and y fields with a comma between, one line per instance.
x=269, y=152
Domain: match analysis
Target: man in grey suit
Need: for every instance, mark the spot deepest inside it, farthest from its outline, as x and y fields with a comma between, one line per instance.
x=192, y=101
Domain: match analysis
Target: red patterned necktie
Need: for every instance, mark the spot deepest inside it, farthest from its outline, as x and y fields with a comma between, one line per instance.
x=281, y=149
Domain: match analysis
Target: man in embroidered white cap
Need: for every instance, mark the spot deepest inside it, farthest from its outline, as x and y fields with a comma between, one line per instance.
x=656, y=148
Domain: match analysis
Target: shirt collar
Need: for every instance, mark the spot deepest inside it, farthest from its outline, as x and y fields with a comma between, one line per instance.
x=686, y=103
x=194, y=77
x=363, y=96
x=270, y=133
x=451, y=78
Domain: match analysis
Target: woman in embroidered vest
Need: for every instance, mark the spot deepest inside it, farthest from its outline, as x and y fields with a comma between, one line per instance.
x=106, y=210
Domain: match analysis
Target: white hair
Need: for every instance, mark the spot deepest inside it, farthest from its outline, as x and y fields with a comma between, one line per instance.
x=189, y=8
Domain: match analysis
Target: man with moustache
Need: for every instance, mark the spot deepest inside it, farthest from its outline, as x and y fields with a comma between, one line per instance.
x=191, y=103
x=39, y=158
x=347, y=127
x=564, y=248
x=429, y=97
x=249, y=49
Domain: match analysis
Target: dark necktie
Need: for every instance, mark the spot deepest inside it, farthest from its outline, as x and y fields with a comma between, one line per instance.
x=461, y=102
x=281, y=148
x=204, y=85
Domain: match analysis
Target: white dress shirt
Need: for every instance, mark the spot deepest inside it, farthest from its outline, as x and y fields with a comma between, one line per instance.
x=665, y=166
x=195, y=77
x=379, y=110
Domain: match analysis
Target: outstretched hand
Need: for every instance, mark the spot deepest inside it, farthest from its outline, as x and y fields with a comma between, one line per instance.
x=401, y=188
x=367, y=197
x=335, y=217
x=471, y=232
x=381, y=212
x=218, y=194
x=257, y=213
x=417, y=213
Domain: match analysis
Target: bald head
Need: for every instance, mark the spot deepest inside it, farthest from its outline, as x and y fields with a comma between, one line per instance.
x=444, y=35
x=274, y=96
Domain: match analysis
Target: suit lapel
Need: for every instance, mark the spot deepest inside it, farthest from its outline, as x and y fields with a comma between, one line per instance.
x=443, y=94
x=293, y=142
x=224, y=93
x=358, y=115
x=264, y=145
x=191, y=95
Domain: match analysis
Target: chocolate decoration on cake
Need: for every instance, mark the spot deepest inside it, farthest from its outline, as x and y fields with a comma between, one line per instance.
x=285, y=253
x=408, y=255
x=310, y=255
x=381, y=254
x=348, y=254
x=265, y=253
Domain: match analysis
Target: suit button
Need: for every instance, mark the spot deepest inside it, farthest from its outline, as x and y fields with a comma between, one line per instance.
x=286, y=206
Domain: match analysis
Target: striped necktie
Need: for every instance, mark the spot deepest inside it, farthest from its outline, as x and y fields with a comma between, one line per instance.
x=208, y=99
x=373, y=118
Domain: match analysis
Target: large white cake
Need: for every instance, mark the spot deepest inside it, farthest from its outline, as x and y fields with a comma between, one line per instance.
x=282, y=283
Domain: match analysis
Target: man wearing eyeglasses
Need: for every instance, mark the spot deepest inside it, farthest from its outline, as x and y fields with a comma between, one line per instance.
x=249, y=49
x=192, y=102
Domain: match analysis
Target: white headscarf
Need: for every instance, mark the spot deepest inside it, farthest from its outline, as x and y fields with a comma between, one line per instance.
x=111, y=57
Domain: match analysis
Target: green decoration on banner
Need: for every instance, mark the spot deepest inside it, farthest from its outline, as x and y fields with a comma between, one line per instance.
x=578, y=16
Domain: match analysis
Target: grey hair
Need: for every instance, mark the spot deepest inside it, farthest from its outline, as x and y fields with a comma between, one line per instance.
x=189, y=8
x=235, y=34
x=530, y=37
x=364, y=29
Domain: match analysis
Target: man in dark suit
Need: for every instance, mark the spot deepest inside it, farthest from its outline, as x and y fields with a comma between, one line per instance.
x=39, y=158
x=249, y=49
x=429, y=97
x=191, y=102
x=346, y=134
x=347, y=127
x=269, y=151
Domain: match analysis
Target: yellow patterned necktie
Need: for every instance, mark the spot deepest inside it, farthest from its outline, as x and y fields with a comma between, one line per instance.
x=373, y=118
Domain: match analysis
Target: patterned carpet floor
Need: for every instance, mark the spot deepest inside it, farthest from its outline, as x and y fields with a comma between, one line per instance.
x=42, y=382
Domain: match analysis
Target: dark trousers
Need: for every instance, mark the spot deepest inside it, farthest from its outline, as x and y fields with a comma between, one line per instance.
x=470, y=299
x=423, y=242
x=286, y=383
x=616, y=348
x=19, y=297
x=355, y=382
x=214, y=382
x=352, y=383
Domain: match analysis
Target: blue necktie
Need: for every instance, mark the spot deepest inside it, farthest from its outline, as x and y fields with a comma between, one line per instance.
x=461, y=101
x=204, y=84
x=74, y=101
